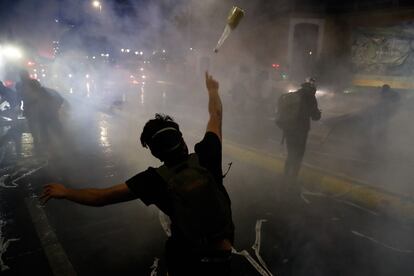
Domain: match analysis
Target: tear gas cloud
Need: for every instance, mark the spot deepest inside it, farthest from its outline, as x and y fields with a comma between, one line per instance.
x=151, y=55
x=136, y=58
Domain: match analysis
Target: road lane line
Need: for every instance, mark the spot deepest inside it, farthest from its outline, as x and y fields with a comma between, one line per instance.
x=154, y=267
x=4, y=245
x=250, y=259
x=357, y=206
x=3, y=182
x=257, y=244
x=14, y=182
x=356, y=233
x=56, y=255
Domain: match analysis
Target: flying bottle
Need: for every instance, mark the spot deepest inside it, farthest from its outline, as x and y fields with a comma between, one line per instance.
x=233, y=20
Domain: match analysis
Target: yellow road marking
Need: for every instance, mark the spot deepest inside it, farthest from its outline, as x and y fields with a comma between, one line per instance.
x=331, y=185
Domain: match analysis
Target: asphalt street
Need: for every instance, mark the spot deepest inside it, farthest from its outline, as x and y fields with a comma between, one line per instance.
x=276, y=234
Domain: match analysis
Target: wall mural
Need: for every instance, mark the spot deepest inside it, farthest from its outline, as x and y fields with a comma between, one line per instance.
x=384, y=51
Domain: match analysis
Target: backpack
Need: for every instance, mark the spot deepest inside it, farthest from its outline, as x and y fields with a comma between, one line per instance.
x=200, y=210
x=288, y=109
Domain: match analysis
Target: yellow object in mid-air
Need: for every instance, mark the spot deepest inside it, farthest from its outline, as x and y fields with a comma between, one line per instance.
x=233, y=19
x=235, y=16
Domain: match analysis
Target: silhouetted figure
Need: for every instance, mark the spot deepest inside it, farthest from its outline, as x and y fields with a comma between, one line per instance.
x=294, y=113
x=188, y=188
x=381, y=115
x=41, y=108
x=388, y=103
x=27, y=88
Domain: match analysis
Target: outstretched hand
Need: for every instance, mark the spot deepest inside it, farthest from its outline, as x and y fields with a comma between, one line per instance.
x=211, y=84
x=53, y=190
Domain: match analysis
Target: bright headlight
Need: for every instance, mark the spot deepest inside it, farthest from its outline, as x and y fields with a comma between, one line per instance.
x=11, y=52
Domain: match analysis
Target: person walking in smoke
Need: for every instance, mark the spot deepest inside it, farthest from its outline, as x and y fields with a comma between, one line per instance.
x=188, y=188
x=380, y=116
x=388, y=104
x=26, y=89
x=41, y=109
x=293, y=116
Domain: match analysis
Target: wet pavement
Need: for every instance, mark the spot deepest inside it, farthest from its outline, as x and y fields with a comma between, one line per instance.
x=275, y=235
x=344, y=141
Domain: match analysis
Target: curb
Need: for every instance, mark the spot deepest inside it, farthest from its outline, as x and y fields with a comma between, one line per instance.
x=331, y=185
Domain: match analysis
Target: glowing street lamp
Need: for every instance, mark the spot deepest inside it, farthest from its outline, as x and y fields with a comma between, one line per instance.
x=97, y=5
x=10, y=52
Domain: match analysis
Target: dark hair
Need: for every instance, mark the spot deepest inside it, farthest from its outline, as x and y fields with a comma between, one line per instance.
x=162, y=135
x=386, y=87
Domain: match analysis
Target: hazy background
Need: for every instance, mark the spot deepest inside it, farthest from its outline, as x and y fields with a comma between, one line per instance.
x=147, y=56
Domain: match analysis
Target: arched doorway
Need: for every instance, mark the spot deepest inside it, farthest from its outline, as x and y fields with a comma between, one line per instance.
x=305, y=45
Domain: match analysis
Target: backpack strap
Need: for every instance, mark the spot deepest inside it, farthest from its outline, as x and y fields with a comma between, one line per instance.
x=166, y=173
x=193, y=160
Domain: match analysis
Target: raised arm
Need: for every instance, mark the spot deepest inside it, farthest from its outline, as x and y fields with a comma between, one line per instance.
x=215, y=107
x=90, y=197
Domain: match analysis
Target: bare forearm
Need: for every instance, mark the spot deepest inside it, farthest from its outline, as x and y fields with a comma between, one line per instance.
x=89, y=197
x=215, y=107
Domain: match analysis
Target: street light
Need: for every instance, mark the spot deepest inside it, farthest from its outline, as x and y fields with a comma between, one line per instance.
x=11, y=52
x=97, y=5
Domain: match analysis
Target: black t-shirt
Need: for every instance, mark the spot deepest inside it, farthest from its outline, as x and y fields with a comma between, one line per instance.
x=308, y=110
x=152, y=189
